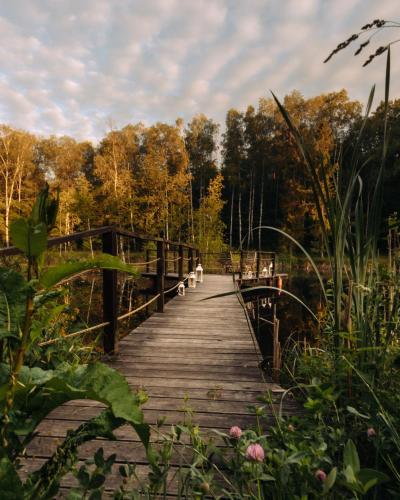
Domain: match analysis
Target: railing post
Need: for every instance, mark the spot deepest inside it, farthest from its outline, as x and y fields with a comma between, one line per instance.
x=241, y=266
x=160, y=275
x=191, y=260
x=197, y=256
x=258, y=258
x=110, y=304
x=180, y=263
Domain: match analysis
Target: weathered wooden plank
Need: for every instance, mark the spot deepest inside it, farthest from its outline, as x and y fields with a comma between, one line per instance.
x=196, y=355
x=240, y=375
x=173, y=416
x=199, y=361
x=199, y=349
x=123, y=433
x=188, y=384
x=197, y=405
x=157, y=367
x=215, y=394
x=44, y=447
x=113, y=480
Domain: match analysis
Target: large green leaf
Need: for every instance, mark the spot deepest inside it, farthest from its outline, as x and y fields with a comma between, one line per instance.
x=51, y=388
x=13, y=291
x=10, y=483
x=29, y=238
x=45, y=208
x=41, y=391
x=330, y=480
x=350, y=456
x=370, y=478
x=62, y=272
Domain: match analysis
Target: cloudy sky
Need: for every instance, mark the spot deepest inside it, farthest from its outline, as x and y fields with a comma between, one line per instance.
x=69, y=66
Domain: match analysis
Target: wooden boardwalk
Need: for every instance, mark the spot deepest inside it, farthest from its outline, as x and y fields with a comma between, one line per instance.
x=198, y=349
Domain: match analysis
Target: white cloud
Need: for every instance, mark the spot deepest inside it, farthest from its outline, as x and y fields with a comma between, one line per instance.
x=69, y=65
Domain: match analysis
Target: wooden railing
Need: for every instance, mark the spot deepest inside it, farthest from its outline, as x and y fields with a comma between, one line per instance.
x=109, y=236
x=254, y=261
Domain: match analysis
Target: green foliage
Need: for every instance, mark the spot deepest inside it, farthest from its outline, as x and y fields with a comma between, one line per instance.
x=45, y=209
x=29, y=393
x=40, y=391
x=44, y=483
x=53, y=276
x=11, y=486
x=91, y=482
x=29, y=238
x=13, y=291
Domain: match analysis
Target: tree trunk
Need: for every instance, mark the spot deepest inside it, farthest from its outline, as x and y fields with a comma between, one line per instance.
x=19, y=192
x=249, y=212
x=191, y=210
x=166, y=217
x=253, y=198
x=240, y=218
x=260, y=220
x=231, y=224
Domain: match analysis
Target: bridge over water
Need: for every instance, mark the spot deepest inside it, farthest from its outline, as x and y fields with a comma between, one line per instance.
x=195, y=354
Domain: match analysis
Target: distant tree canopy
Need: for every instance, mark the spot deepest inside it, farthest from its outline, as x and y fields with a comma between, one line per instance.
x=190, y=183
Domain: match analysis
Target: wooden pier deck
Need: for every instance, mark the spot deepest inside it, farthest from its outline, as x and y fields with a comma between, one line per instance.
x=198, y=349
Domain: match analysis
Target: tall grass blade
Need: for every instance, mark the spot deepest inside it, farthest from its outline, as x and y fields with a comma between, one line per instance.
x=264, y=287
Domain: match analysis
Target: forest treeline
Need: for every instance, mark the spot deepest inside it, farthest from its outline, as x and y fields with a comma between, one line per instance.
x=191, y=183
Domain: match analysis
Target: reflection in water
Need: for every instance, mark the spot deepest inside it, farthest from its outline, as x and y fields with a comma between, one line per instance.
x=295, y=322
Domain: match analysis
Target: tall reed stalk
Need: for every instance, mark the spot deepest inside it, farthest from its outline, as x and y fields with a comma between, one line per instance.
x=350, y=220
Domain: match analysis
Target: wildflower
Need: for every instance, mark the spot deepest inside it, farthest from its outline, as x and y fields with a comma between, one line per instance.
x=290, y=428
x=371, y=432
x=255, y=453
x=235, y=432
x=320, y=475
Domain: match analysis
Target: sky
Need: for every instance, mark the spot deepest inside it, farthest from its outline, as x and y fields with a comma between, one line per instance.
x=77, y=66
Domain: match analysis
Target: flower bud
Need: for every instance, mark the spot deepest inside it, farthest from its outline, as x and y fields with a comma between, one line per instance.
x=255, y=453
x=320, y=475
x=235, y=432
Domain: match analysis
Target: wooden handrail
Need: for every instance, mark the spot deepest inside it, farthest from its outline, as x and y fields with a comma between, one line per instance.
x=99, y=231
x=109, y=236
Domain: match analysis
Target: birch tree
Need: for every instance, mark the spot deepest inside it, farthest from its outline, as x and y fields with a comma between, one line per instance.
x=16, y=169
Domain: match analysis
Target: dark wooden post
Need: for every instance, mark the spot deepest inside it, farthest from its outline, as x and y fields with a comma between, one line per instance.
x=166, y=257
x=197, y=256
x=191, y=260
x=110, y=303
x=241, y=266
x=274, y=263
x=175, y=262
x=160, y=275
x=180, y=263
x=258, y=258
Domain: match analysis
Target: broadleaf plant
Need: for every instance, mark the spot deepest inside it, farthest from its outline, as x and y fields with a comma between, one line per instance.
x=28, y=394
